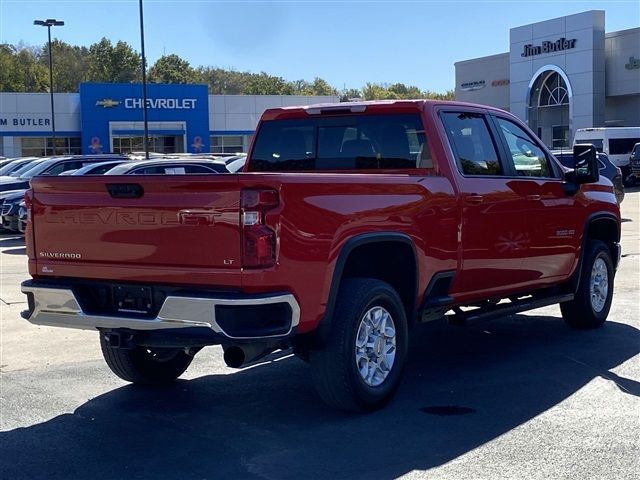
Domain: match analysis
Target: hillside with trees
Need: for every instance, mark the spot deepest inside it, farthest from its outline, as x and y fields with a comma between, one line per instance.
x=24, y=68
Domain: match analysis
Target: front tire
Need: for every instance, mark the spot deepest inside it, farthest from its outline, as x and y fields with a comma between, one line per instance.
x=360, y=366
x=146, y=366
x=590, y=307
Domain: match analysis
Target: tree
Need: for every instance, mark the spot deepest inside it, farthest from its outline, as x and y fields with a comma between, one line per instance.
x=402, y=91
x=19, y=70
x=264, y=84
x=300, y=87
x=113, y=64
x=8, y=79
x=222, y=82
x=70, y=65
x=24, y=68
x=376, y=91
x=350, y=94
x=448, y=95
x=321, y=87
x=126, y=64
x=172, y=69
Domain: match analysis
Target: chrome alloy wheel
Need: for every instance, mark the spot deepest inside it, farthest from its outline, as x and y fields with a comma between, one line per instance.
x=599, y=285
x=375, y=349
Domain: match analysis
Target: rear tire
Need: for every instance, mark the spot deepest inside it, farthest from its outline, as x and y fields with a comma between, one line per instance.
x=146, y=366
x=592, y=302
x=360, y=366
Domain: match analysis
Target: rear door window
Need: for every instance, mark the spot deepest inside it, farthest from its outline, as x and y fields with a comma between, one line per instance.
x=350, y=142
x=472, y=143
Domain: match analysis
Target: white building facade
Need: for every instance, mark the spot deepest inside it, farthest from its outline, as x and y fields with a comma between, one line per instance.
x=560, y=75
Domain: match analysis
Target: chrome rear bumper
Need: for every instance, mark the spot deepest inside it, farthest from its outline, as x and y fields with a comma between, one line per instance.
x=59, y=307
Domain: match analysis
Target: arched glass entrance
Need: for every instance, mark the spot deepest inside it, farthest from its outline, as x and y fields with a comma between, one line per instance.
x=549, y=108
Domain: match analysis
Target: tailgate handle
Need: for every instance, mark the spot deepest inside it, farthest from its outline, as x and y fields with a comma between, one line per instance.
x=125, y=190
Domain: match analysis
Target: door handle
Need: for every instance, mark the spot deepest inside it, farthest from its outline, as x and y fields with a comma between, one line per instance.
x=533, y=197
x=474, y=199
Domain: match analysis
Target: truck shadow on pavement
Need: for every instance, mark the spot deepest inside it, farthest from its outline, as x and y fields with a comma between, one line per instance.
x=463, y=387
x=15, y=251
x=11, y=241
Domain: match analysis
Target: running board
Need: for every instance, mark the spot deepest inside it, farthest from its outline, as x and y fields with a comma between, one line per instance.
x=510, y=308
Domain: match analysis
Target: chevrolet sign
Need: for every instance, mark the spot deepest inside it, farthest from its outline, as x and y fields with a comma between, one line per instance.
x=162, y=103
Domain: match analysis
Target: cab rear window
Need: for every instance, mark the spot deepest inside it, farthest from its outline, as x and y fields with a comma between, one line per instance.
x=350, y=142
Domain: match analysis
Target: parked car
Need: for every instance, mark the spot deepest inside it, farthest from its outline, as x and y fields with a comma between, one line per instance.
x=9, y=210
x=606, y=167
x=349, y=223
x=168, y=167
x=44, y=166
x=4, y=195
x=53, y=166
x=5, y=160
x=616, y=142
x=14, y=167
x=96, y=168
x=22, y=216
x=233, y=163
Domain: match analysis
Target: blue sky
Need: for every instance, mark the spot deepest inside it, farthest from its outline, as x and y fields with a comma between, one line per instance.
x=348, y=43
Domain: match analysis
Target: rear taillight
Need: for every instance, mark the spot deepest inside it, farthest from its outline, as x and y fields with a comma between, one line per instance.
x=28, y=202
x=258, y=240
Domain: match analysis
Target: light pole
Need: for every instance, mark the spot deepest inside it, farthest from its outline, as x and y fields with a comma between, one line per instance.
x=51, y=22
x=144, y=86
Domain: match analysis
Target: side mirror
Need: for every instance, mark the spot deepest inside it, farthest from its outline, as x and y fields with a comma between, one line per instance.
x=585, y=168
x=585, y=164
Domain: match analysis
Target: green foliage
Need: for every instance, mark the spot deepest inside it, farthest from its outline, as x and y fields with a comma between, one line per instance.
x=70, y=65
x=172, y=69
x=223, y=82
x=399, y=91
x=25, y=69
x=350, y=94
x=20, y=71
x=264, y=84
x=113, y=64
x=317, y=87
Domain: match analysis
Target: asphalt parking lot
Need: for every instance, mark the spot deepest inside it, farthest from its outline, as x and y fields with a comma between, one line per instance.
x=517, y=397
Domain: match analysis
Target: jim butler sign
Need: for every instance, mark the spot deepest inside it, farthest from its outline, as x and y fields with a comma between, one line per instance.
x=548, y=47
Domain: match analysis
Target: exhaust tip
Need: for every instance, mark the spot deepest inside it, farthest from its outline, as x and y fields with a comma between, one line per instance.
x=234, y=357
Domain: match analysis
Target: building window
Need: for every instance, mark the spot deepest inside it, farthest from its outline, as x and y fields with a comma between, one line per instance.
x=553, y=91
x=43, y=146
x=157, y=144
x=230, y=143
x=129, y=144
x=548, y=112
x=560, y=136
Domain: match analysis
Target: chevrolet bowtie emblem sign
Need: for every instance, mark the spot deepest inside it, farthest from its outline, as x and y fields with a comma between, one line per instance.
x=107, y=103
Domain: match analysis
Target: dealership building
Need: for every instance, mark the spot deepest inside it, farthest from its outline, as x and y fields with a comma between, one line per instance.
x=560, y=75
x=108, y=118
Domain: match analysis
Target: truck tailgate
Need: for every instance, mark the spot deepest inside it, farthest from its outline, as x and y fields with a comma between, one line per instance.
x=123, y=223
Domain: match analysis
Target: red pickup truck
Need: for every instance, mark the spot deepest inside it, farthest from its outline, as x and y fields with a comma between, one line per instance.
x=349, y=223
